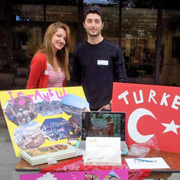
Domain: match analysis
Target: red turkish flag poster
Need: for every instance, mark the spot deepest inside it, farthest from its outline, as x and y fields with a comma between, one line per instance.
x=152, y=112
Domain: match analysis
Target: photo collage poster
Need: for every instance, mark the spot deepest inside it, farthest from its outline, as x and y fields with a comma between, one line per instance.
x=43, y=117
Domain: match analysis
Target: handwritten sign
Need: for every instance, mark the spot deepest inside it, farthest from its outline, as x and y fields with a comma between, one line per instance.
x=43, y=117
x=152, y=114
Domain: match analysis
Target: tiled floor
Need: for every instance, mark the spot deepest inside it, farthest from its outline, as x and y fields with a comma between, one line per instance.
x=8, y=159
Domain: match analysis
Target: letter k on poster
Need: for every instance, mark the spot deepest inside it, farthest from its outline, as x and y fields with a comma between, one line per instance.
x=152, y=114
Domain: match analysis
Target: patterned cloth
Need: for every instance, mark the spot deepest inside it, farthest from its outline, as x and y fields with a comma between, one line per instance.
x=76, y=164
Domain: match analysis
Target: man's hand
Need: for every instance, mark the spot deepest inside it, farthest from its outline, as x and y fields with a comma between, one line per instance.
x=106, y=107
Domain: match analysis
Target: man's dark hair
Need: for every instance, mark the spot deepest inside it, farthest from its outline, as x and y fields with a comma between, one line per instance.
x=95, y=10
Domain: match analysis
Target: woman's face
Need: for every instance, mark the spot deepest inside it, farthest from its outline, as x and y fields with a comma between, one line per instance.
x=59, y=39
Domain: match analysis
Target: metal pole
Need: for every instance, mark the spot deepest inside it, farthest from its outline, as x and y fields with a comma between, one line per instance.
x=120, y=22
x=80, y=35
x=158, y=44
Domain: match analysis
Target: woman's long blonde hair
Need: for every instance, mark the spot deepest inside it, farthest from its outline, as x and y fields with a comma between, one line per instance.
x=47, y=47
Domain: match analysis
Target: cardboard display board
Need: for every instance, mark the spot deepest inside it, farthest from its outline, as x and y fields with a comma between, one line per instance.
x=43, y=117
x=152, y=114
x=83, y=175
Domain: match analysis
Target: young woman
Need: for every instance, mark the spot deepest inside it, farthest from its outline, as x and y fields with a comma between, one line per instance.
x=49, y=66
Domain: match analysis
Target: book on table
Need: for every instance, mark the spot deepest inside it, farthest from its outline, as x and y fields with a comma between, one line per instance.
x=42, y=155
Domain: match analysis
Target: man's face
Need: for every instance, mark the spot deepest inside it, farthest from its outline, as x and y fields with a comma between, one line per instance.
x=93, y=24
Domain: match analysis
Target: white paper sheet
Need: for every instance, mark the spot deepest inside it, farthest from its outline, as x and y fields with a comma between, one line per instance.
x=102, y=151
x=103, y=143
x=147, y=163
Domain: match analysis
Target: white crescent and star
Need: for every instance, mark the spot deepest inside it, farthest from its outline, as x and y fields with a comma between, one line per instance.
x=132, y=125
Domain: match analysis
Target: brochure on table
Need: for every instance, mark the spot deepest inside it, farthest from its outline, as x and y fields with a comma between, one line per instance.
x=43, y=117
x=147, y=163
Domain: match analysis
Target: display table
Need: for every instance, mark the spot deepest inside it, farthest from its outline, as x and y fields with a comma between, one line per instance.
x=172, y=159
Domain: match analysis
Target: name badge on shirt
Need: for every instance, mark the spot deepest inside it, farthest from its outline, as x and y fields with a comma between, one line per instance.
x=103, y=62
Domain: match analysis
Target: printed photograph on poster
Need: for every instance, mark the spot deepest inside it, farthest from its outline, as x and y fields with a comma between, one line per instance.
x=73, y=105
x=89, y=176
x=46, y=108
x=29, y=135
x=55, y=129
x=112, y=176
x=20, y=113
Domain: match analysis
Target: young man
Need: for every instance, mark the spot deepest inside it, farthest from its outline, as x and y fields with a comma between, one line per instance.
x=97, y=63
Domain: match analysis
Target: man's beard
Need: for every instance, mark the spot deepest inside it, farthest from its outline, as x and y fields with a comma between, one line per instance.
x=94, y=35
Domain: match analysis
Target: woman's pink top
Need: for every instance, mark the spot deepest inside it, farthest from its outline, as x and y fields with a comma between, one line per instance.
x=56, y=78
